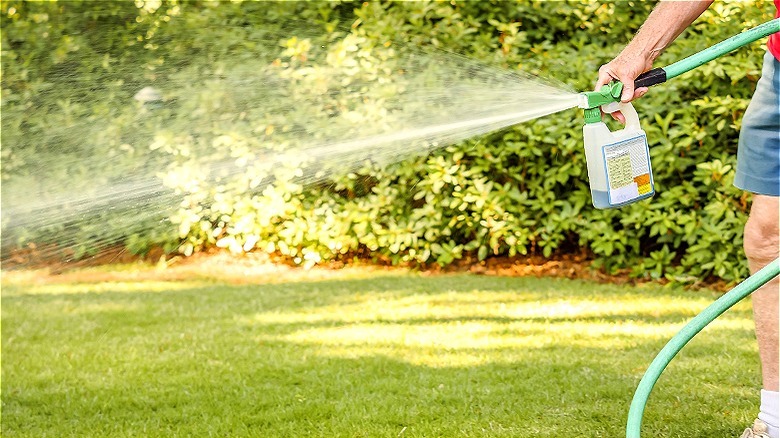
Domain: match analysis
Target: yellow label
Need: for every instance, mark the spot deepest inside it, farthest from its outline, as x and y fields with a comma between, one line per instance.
x=628, y=170
x=619, y=168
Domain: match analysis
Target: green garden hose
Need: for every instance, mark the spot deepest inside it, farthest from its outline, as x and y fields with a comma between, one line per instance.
x=701, y=320
x=659, y=75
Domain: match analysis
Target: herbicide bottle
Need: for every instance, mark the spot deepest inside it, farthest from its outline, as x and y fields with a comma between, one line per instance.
x=619, y=169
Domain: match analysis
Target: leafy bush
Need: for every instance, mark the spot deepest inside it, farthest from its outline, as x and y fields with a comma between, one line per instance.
x=517, y=191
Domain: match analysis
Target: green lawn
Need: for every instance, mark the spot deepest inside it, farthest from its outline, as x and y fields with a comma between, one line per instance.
x=371, y=354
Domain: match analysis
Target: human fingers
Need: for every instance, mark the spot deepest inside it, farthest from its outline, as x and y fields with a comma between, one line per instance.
x=639, y=92
x=617, y=115
x=628, y=89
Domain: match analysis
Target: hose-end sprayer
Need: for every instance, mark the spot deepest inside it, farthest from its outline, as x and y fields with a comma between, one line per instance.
x=619, y=168
x=619, y=162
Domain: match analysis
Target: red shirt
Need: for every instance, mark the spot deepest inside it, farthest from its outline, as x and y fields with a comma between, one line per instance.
x=774, y=39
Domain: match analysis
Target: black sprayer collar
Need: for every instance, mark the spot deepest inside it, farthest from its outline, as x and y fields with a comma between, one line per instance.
x=650, y=77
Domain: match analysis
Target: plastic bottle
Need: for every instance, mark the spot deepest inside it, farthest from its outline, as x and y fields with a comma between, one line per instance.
x=619, y=169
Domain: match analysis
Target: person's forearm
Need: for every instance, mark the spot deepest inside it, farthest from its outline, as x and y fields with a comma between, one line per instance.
x=665, y=23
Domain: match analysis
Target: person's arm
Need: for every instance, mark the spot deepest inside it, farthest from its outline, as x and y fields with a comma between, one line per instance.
x=665, y=23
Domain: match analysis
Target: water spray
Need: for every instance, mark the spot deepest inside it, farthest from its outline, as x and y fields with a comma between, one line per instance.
x=619, y=168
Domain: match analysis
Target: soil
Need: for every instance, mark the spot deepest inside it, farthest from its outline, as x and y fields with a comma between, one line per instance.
x=218, y=265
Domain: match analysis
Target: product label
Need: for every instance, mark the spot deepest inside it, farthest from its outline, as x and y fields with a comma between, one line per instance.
x=629, y=177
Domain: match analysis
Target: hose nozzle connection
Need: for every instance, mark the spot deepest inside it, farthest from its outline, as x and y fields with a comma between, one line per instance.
x=607, y=94
x=592, y=100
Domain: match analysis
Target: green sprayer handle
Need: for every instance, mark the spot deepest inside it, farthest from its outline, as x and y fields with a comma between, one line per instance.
x=659, y=75
x=700, y=321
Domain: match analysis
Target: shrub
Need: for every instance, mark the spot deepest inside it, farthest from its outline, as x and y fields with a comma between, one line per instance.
x=516, y=191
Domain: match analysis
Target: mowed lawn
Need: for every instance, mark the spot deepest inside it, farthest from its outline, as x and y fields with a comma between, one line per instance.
x=366, y=354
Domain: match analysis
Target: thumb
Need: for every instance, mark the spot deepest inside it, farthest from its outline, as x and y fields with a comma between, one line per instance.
x=604, y=79
x=605, y=76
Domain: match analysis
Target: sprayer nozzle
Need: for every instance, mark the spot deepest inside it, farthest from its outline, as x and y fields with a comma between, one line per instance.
x=583, y=101
x=607, y=94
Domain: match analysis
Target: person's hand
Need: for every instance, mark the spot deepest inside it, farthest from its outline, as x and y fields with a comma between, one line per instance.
x=625, y=68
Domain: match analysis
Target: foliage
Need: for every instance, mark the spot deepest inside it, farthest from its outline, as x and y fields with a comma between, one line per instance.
x=521, y=190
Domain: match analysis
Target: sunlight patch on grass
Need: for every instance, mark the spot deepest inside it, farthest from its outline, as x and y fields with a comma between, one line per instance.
x=473, y=305
x=100, y=307
x=470, y=328
x=10, y=290
x=477, y=343
x=251, y=268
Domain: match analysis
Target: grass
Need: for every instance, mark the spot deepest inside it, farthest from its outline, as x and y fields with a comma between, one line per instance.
x=366, y=355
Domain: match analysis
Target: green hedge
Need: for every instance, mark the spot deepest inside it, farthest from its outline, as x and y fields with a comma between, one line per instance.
x=517, y=191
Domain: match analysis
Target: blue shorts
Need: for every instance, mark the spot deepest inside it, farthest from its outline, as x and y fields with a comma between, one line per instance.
x=758, y=156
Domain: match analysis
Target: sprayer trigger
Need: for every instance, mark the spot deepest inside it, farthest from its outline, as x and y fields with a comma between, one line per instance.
x=611, y=107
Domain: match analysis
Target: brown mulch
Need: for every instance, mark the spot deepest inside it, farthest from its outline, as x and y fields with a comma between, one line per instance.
x=220, y=265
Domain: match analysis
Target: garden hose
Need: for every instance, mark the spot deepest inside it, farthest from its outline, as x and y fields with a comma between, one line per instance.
x=660, y=75
x=674, y=345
